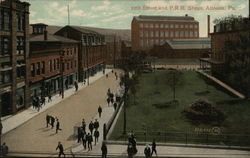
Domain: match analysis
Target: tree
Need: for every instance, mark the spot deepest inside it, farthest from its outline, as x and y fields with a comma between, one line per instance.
x=132, y=66
x=174, y=80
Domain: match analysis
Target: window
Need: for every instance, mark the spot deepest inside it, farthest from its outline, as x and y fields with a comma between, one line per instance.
x=186, y=33
x=176, y=33
x=195, y=34
x=151, y=25
x=151, y=42
x=20, y=45
x=5, y=46
x=157, y=41
x=67, y=66
x=190, y=26
x=156, y=33
x=171, y=34
x=146, y=42
x=38, y=68
x=186, y=26
x=20, y=22
x=156, y=25
x=5, y=76
x=182, y=26
x=67, y=51
x=141, y=33
x=57, y=61
x=191, y=34
x=5, y=19
x=71, y=65
x=162, y=34
x=75, y=63
x=141, y=43
x=54, y=64
x=171, y=25
x=181, y=33
x=196, y=26
x=141, y=25
x=50, y=66
x=32, y=68
x=152, y=34
x=161, y=26
x=146, y=25
x=166, y=26
x=145, y=33
x=166, y=33
x=43, y=67
x=176, y=26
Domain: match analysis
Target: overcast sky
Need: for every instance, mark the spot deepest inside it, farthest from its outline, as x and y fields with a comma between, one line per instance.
x=117, y=14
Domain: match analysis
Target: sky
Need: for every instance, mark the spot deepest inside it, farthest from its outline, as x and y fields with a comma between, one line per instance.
x=118, y=14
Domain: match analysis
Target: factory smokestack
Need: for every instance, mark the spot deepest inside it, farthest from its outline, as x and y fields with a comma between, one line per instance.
x=208, y=25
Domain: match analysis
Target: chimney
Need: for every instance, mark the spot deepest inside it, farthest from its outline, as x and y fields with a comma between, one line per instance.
x=186, y=15
x=208, y=25
x=45, y=35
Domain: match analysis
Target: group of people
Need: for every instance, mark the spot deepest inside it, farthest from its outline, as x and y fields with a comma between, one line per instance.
x=50, y=120
x=149, y=152
x=87, y=138
x=112, y=99
x=37, y=102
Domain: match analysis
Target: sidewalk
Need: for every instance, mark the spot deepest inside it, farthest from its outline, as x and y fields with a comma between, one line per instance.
x=13, y=121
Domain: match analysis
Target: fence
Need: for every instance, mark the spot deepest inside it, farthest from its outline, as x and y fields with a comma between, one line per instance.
x=189, y=138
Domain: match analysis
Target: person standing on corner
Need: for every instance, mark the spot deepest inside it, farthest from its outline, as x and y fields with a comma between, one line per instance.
x=147, y=151
x=100, y=111
x=58, y=125
x=154, y=148
x=96, y=124
x=104, y=150
x=60, y=147
x=89, y=140
x=96, y=135
x=47, y=120
x=91, y=127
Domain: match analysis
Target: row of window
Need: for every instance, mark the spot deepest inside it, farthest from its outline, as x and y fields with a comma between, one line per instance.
x=5, y=20
x=92, y=39
x=169, y=34
x=69, y=51
x=5, y=76
x=147, y=25
x=5, y=45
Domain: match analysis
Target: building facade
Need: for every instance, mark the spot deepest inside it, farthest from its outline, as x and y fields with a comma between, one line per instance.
x=146, y=31
x=53, y=62
x=14, y=53
x=92, y=50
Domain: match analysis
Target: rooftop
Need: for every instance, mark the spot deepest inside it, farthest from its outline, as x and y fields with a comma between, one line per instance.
x=185, y=18
x=51, y=38
x=199, y=43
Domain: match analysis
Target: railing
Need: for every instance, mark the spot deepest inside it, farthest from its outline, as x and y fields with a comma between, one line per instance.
x=188, y=138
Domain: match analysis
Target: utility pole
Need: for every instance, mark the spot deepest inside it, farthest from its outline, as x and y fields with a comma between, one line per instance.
x=68, y=16
x=62, y=70
x=114, y=50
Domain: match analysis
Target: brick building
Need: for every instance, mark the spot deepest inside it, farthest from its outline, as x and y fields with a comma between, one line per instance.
x=182, y=48
x=52, y=58
x=146, y=31
x=92, y=49
x=14, y=53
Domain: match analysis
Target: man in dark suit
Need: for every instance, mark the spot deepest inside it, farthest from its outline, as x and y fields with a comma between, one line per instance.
x=91, y=127
x=89, y=140
x=147, y=151
x=60, y=147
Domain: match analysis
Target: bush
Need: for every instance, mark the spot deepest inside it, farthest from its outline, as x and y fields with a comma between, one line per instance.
x=203, y=111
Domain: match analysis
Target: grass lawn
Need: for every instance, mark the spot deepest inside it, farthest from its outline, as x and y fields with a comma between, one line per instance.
x=177, y=61
x=170, y=125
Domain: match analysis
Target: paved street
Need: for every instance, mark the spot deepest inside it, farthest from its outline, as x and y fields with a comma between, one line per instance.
x=34, y=137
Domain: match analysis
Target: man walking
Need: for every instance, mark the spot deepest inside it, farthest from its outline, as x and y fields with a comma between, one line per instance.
x=91, y=127
x=100, y=111
x=104, y=150
x=147, y=152
x=89, y=140
x=84, y=140
x=52, y=121
x=49, y=98
x=154, y=148
x=76, y=86
x=48, y=120
x=60, y=147
x=96, y=135
x=96, y=124
x=79, y=134
x=83, y=125
x=57, y=125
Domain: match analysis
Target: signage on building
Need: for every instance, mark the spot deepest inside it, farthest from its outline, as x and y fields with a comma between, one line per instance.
x=5, y=89
x=21, y=84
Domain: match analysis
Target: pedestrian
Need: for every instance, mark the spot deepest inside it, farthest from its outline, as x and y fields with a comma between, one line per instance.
x=5, y=150
x=83, y=125
x=96, y=135
x=108, y=101
x=116, y=77
x=58, y=125
x=91, y=127
x=52, y=121
x=49, y=98
x=103, y=71
x=112, y=71
x=107, y=75
x=115, y=105
x=100, y=111
x=48, y=120
x=79, y=134
x=89, y=140
x=60, y=147
x=147, y=152
x=43, y=100
x=154, y=148
x=112, y=100
x=104, y=150
x=96, y=124
x=84, y=140
x=84, y=81
x=130, y=151
x=76, y=86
